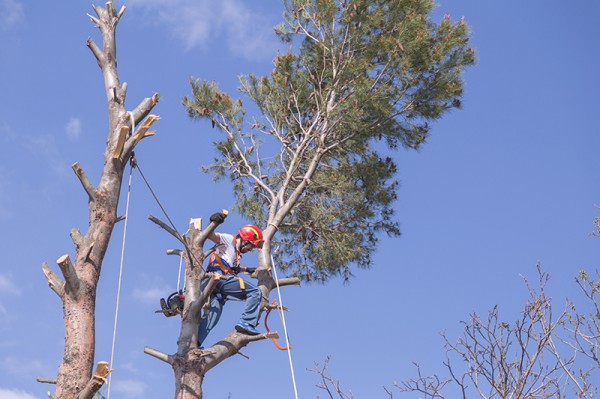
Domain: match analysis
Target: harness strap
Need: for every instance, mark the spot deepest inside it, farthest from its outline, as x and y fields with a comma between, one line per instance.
x=216, y=261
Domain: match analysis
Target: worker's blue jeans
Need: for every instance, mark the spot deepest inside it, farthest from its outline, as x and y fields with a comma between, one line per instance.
x=230, y=287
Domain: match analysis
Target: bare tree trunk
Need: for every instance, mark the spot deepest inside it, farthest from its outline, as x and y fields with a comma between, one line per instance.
x=78, y=291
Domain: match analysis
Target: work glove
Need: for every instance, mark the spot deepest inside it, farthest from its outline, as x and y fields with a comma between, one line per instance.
x=250, y=270
x=217, y=218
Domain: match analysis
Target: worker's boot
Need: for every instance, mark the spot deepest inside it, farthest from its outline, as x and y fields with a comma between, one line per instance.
x=246, y=328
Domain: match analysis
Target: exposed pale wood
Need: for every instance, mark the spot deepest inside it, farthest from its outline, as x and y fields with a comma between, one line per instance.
x=121, y=141
x=177, y=252
x=101, y=370
x=55, y=283
x=197, y=223
x=96, y=382
x=85, y=182
x=158, y=354
x=144, y=128
x=121, y=11
x=94, y=20
x=69, y=273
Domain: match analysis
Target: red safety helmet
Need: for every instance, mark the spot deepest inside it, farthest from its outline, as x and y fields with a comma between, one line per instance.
x=252, y=234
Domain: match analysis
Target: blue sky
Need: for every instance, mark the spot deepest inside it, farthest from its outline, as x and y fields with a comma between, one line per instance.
x=508, y=181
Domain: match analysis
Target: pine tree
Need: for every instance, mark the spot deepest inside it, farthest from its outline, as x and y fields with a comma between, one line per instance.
x=361, y=77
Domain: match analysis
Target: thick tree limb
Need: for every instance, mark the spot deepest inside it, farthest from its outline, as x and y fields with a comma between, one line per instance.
x=94, y=47
x=55, y=283
x=96, y=382
x=288, y=281
x=197, y=305
x=208, y=231
x=69, y=273
x=46, y=380
x=85, y=182
x=144, y=107
x=232, y=345
x=166, y=227
x=159, y=355
x=177, y=252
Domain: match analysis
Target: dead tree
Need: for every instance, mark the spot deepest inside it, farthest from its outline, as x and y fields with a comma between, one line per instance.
x=190, y=364
x=78, y=285
x=530, y=358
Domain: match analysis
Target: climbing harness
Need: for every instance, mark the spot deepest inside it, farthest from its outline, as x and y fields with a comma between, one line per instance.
x=112, y=351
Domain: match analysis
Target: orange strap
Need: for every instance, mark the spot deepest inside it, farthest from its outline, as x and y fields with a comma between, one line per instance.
x=283, y=348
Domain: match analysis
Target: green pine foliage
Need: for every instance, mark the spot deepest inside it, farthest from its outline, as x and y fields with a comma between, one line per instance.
x=358, y=73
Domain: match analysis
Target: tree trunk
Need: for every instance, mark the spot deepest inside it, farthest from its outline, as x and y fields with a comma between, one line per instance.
x=78, y=291
x=191, y=364
x=189, y=375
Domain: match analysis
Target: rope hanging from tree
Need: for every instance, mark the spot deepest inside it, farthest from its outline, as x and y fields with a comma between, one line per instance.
x=287, y=341
x=112, y=350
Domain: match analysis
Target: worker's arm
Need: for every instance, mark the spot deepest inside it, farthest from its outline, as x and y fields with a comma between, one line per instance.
x=215, y=237
x=216, y=218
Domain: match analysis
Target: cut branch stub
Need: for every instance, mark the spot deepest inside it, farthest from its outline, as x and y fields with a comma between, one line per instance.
x=76, y=236
x=158, y=354
x=54, y=281
x=70, y=275
x=120, y=142
x=166, y=227
x=85, y=181
x=96, y=382
x=139, y=134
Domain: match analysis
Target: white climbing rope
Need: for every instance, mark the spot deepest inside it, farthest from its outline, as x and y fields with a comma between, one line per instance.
x=179, y=273
x=287, y=342
x=112, y=351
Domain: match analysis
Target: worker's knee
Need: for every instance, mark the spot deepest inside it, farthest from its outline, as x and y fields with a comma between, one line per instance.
x=252, y=292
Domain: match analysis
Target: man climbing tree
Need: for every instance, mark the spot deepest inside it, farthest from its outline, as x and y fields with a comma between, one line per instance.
x=226, y=262
x=311, y=166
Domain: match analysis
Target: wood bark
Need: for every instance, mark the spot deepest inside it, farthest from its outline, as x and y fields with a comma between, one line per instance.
x=78, y=292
